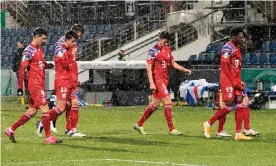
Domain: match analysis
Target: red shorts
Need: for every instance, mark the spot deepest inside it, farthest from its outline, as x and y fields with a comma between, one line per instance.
x=229, y=93
x=161, y=90
x=65, y=93
x=37, y=97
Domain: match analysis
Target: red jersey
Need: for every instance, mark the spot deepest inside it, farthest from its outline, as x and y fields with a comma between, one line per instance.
x=230, y=64
x=63, y=64
x=32, y=60
x=73, y=52
x=161, y=59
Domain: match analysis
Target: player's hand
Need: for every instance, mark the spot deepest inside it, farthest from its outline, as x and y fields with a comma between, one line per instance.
x=19, y=92
x=188, y=72
x=244, y=85
x=50, y=66
x=77, y=83
x=152, y=87
x=239, y=85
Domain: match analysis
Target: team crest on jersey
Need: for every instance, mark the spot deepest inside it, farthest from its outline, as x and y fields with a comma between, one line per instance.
x=230, y=95
x=225, y=55
x=43, y=99
x=63, y=95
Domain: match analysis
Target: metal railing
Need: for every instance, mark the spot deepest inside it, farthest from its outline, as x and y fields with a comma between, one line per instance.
x=187, y=33
x=125, y=34
x=267, y=7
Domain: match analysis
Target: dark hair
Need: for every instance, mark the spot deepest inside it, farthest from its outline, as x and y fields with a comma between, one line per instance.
x=235, y=31
x=71, y=34
x=39, y=32
x=77, y=28
x=165, y=35
x=20, y=41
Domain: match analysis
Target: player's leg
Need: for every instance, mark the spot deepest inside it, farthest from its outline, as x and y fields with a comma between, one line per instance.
x=45, y=119
x=62, y=93
x=168, y=115
x=246, y=115
x=21, y=121
x=228, y=95
x=68, y=129
x=221, y=122
x=147, y=113
x=74, y=113
x=239, y=117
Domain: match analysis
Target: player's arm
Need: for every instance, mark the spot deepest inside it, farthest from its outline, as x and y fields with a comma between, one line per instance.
x=61, y=56
x=150, y=76
x=180, y=68
x=21, y=75
x=150, y=61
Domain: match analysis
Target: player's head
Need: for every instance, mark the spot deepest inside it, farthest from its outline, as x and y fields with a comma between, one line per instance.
x=78, y=29
x=20, y=44
x=164, y=37
x=238, y=35
x=70, y=39
x=39, y=36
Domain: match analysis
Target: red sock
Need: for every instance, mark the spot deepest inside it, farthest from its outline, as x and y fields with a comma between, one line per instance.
x=168, y=116
x=221, y=123
x=246, y=118
x=22, y=120
x=239, y=119
x=45, y=119
x=219, y=114
x=74, y=117
x=148, y=111
x=54, y=113
x=68, y=117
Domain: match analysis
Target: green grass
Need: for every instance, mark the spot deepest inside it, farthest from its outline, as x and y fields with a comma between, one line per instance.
x=110, y=135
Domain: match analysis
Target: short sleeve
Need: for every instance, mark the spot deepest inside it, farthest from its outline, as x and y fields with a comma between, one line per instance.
x=151, y=56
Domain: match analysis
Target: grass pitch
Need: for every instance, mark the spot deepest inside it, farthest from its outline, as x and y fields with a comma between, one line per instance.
x=112, y=141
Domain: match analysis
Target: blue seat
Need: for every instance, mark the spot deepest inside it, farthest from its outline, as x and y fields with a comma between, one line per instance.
x=9, y=51
x=273, y=59
x=27, y=40
x=201, y=57
x=245, y=59
x=57, y=30
x=13, y=41
x=264, y=58
x=51, y=49
x=3, y=50
x=192, y=58
x=24, y=31
x=5, y=61
x=265, y=46
x=210, y=57
x=6, y=32
x=18, y=32
x=273, y=46
x=92, y=29
x=12, y=32
x=100, y=29
x=210, y=48
x=254, y=59
x=7, y=41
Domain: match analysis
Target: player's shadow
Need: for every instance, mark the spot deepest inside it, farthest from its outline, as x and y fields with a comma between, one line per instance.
x=97, y=149
x=133, y=141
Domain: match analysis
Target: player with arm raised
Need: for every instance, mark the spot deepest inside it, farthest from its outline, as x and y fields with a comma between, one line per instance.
x=72, y=107
x=33, y=60
x=231, y=84
x=160, y=60
x=65, y=84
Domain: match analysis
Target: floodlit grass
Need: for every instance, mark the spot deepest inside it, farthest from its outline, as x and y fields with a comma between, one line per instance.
x=111, y=139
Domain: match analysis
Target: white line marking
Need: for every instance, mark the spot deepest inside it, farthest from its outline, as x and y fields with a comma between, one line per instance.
x=87, y=160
